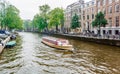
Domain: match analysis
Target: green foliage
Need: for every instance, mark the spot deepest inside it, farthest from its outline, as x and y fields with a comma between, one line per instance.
x=2, y=13
x=99, y=20
x=47, y=19
x=56, y=17
x=39, y=22
x=44, y=9
x=75, y=22
x=12, y=19
x=27, y=25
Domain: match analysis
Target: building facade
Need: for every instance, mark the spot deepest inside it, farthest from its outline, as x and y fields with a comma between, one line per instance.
x=88, y=14
x=111, y=9
x=88, y=10
x=70, y=12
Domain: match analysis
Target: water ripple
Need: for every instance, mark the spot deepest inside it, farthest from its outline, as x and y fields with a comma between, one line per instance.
x=32, y=57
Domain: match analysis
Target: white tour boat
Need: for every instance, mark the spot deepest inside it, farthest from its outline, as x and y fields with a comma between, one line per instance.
x=57, y=43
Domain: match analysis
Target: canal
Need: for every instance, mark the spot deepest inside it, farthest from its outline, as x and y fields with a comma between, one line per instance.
x=33, y=57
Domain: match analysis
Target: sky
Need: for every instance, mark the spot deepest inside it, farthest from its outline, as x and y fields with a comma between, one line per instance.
x=28, y=8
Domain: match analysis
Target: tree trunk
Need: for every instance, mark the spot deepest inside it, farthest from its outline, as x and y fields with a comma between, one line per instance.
x=99, y=30
x=1, y=26
x=56, y=28
x=62, y=28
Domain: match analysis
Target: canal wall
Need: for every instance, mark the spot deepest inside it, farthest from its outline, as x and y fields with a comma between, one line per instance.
x=106, y=41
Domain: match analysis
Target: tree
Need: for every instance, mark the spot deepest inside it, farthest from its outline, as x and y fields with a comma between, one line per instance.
x=56, y=17
x=75, y=22
x=46, y=19
x=27, y=25
x=39, y=22
x=99, y=21
x=12, y=19
x=44, y=9
x=2, y=13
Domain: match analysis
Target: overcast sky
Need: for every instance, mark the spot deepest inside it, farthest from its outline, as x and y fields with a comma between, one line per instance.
x=28, y=8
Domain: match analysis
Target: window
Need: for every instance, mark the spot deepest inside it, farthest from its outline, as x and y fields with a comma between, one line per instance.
x=117, y=8
x=110, y=32
x=80, y=17
x=110, y=9
x=83, y=17
x=110, y=22
x=92, y=16
x=88, y=17
x=117, y=21
x=110, y=1
x=99, y=10
x=104, y=10
x=98, y=3
x=116, y=0
x=79, y=10
x=92, y=9
x=92, y=3
x=116, y=32
x=87, y=5
x=88, y=10
x=104, y=32
x=104, y=2
x=83, y=12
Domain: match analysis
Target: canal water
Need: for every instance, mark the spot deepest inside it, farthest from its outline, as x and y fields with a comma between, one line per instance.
x=33, y=57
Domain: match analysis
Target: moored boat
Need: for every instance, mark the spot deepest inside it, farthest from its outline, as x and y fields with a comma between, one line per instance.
x=57, y=43
x=11, y=44
x=3, y=43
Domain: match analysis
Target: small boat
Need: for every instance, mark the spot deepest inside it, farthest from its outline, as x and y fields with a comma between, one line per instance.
x=10, y=44
x=57, y=43
x=3, y=43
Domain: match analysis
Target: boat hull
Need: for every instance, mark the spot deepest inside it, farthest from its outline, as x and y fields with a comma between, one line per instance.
x=67, y=47
x=10, y=44
x=3, y=44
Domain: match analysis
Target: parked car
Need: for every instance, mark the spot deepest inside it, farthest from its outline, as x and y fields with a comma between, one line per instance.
x=3, y=36
x=5, y=32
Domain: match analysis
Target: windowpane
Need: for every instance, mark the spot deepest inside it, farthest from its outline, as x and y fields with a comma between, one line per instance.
x=110, y=9
x=117, y=8
x=117, y=21
x=92, y=16
x=110, y=1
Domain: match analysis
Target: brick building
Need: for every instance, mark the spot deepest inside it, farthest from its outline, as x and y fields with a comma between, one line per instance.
x=87, y=11
x=111, y=9
x=88, y=14
x=70, y=11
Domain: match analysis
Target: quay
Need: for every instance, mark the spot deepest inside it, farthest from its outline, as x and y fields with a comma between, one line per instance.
x=100, y=40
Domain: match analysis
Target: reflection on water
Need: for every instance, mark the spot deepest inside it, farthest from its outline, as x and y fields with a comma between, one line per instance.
x=33, y=57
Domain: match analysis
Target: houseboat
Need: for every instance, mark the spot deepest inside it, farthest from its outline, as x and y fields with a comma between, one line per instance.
x=57, y=43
